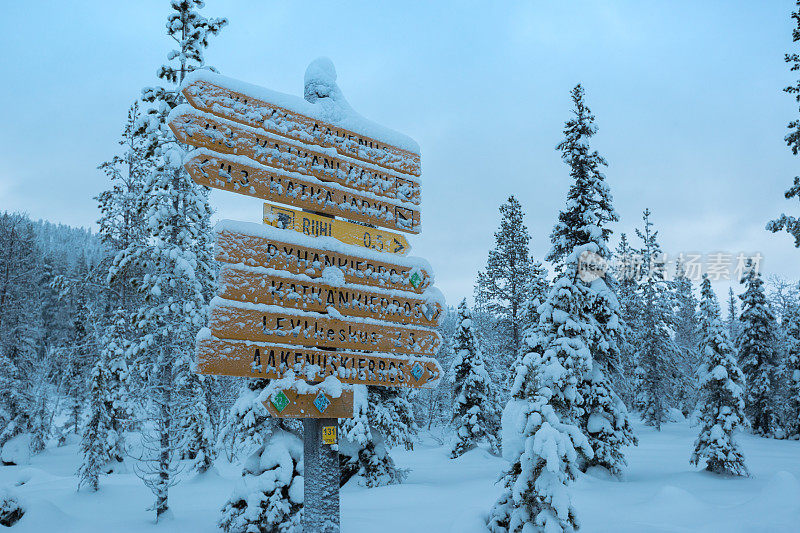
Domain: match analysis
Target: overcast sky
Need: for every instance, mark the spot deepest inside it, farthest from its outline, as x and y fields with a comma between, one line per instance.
x=687, y=97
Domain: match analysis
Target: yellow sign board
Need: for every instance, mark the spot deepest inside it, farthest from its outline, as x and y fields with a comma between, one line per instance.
x=328, y=434
x=346, y=232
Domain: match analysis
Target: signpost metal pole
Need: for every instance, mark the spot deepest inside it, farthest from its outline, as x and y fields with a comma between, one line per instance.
x=321, y=476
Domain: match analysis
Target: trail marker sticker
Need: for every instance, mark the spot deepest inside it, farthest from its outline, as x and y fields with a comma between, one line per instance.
x=280, y=401
x=321, y=402
x=329, y=435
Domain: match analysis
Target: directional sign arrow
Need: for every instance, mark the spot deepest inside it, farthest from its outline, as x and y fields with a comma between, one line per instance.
x=239, y=175
x=247, y=359
x=268, y=323
x=318, y=226
x=262, y=246
x=295, y=405
x=299, y=292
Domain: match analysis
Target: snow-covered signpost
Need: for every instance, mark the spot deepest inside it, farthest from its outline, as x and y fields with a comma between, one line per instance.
x=313, y=302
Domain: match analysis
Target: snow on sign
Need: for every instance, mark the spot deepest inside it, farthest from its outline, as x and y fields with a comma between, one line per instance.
x=300, y=292
x=224, y=357
x=240, y=175
x=291, y=117
x=346, y=232
x=264, y=249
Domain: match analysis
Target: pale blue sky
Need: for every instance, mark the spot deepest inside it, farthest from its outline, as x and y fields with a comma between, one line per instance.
x=687, y=95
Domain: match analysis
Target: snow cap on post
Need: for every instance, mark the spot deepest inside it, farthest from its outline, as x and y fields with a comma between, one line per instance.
x=320, y=80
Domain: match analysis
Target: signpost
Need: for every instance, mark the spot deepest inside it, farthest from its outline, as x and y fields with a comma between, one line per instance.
x=333, y=300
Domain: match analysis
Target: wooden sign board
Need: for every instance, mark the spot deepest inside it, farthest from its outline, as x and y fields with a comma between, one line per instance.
x=273, y=324
x=206, y=131
x=319, y=226
x=261, y=246
x=259, y=360
x=213, y=97
x=288, y=403
x=246, y=285
x=239, y=175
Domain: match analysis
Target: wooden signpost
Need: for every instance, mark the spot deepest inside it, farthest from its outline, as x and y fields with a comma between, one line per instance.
x=330, y=300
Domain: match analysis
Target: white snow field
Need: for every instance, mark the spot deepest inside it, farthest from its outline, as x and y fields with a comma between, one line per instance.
x=660, y=493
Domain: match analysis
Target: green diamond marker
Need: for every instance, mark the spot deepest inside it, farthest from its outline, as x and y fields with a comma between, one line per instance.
x=280, y=401
x=415, y=279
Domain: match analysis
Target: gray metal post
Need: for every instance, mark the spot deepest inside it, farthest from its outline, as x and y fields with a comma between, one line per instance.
x=321, y=477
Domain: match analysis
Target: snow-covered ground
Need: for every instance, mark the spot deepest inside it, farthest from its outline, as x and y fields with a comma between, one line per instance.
x=660, y=493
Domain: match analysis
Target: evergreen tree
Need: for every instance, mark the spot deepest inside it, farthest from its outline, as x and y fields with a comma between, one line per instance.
x=686, y=328
x=544, y=413
x=627, y=271
x=19, y=328
x=472, y=407
x=503, y=287
x=583, y=223
x=657, y=354
x=97, y=443
x=757, y=357
x=792, y=371
x=362, y=448
x=176, y=212
x=269, y=496
x=722, y=394
x=732, y=320
x=788, y=223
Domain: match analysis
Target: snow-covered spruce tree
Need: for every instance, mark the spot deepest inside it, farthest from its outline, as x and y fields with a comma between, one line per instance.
x=19, y=335
x=657, y=353
x=627, y=270
x=792, y=371
x=732, y=320
x=269, y=496
x=583, y=223
x=537, y=291
x=544, y=413
x=686, y=339
x=175, y=211
x=472, y=407
x=721, y=394
x=757, y=357
x=97, y=442
x=362, y=448
x=503, y=286
x=789, y=223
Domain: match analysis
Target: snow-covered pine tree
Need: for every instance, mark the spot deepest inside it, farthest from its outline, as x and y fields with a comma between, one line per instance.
x=503, y=287
x=657, y=353
x=269, y=496
x=583, y=223
x=732, y=320
x=176, y=212
x=544, y=413
x=757, y=357
x=472, y=406
x=721, y=395
x=792, y=371
x=19, y=335
x=686, y=339
x=537, y=291
x=627, y=270
x=98, y=444
x=362, y=448
x=789, y=223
